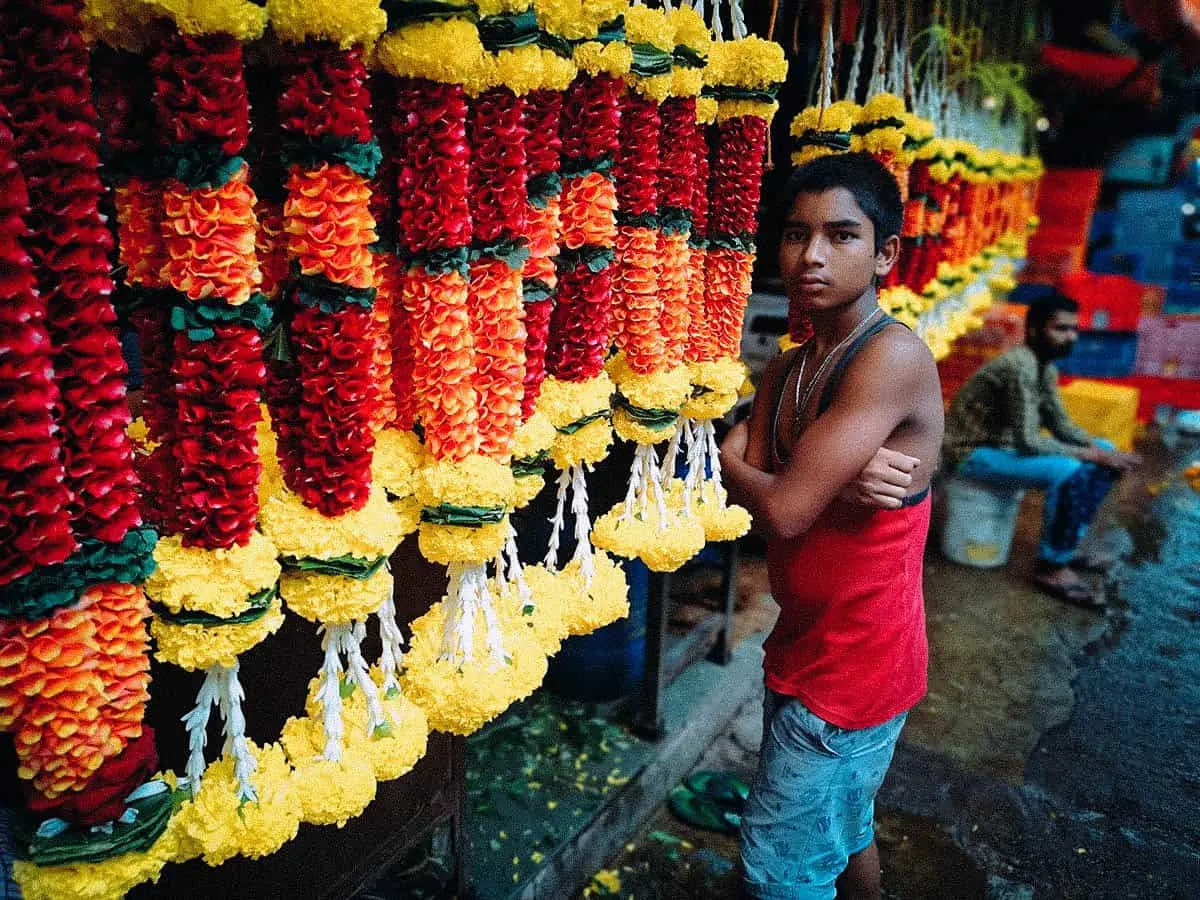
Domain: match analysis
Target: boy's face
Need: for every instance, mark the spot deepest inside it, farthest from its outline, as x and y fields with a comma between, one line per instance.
x=827, y=256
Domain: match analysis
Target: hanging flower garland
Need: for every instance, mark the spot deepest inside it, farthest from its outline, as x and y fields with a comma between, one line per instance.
x=543, y=145
x=500, y=206
x=576, y=394
x=72, y=612
x=743, y=75
x=122, y=88
x=648, y=305
x=333, y=527
x=463, y=492
x=214, y=594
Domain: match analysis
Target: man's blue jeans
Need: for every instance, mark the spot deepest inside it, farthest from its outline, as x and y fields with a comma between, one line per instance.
x=1074, y=491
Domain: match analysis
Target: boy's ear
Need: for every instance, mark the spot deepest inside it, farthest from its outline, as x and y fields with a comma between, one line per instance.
x=887, y=255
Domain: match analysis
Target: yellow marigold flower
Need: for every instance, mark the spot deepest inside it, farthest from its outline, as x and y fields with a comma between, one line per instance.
x=344, y=22
x=577, y=19
x=217, y=582
x=223, y=826
x=241, y=19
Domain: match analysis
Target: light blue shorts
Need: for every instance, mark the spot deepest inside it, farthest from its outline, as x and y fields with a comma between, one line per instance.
x=812, y=803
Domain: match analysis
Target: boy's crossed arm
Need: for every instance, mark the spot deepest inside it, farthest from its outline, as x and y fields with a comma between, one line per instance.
x=876, y=397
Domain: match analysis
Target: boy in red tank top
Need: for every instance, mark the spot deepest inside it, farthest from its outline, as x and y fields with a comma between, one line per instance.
x=847, y=657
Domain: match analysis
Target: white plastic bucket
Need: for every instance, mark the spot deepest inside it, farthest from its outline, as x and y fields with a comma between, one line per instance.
x=980, y=520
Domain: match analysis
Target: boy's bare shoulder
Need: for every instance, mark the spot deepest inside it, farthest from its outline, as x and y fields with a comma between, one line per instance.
x=900, y=350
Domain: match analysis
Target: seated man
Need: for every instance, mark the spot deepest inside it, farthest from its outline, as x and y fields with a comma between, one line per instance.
x=994, y=435
x=847, y=657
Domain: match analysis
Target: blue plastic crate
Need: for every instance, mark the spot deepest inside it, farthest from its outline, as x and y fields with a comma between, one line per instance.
x=1101, y=354
x=1109, y=261
x=1186, y=262
x=1182, y=297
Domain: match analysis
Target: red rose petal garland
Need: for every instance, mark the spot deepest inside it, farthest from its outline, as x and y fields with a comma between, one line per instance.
x=496, y=131
x=330, y=230
x=35, y=528
x=73, y=672
x=543, y=145
x=209, y=232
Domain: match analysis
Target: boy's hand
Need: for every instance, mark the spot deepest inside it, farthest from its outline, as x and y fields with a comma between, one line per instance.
x=734, y=445
x=885, y=481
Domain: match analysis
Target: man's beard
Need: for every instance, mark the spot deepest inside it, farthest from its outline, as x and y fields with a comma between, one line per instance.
x=1060, y=351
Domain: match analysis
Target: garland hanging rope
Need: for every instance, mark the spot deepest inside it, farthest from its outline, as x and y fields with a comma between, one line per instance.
x=385, y=306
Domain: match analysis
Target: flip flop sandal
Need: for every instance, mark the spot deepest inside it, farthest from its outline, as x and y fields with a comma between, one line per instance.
x=1076, y=594
x=701, y=811
x=724, y=788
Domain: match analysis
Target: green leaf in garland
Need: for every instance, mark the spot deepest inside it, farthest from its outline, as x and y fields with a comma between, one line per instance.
x=345, y=565
x=508, y=31
x=442, y=261
x=534, y=289
x=572, y=427
x=329, y=296
x=530, y=465
x=743, y=242
x=654, y=419
x=408, y=12
x=675, y=220
x=47, y=588
x=650, y=61
x=576, y=166
x=557, y=45
x=730, y=92
x=257, y=606
x=200, y=319
x=541, y=188
x=200, y=164
x=612, y=32
x=361, y=157
x=687, y=58
x=88, y=845
x=597, y=259
x=637, y=220
x=463, y=516
x=512, y=251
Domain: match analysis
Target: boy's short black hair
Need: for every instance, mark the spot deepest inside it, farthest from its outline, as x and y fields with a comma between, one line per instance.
x=873, y=186
x=1042, y=308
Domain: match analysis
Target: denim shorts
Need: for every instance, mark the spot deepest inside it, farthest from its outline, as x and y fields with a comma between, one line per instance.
x=812, y=803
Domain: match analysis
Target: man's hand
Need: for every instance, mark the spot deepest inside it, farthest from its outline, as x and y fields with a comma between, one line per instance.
x=1112, y=459
x=885, y=481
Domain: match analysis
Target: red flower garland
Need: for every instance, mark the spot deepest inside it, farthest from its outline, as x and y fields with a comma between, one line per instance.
x=330, y=230
x=57, y=147
x=580, y=326
x=736, y=185
x=216, y=446
x=432, y=180
x=677, y=183
x=201, y=97
x=498, y=204
x=699, y=343
x=35, y=529
x=637, y=302
x=543, y=146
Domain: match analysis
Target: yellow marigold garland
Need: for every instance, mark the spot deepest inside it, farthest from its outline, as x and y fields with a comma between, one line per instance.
x=223, y=826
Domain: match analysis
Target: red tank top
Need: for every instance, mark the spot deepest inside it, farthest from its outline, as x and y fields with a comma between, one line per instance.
x=850, y=640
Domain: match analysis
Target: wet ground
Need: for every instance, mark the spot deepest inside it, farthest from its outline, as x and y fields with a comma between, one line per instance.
x=1057, y=754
